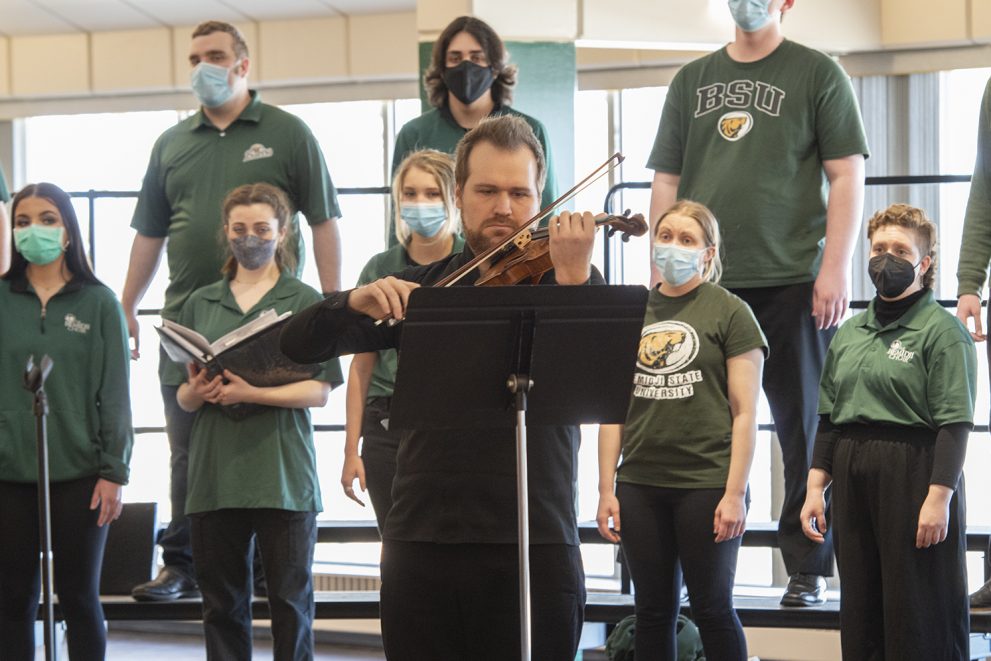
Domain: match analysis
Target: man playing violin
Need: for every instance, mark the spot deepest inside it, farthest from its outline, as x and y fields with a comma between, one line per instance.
x=450, y=586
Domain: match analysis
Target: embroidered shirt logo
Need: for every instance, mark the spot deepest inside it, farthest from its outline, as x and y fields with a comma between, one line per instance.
x=74, y=325
x=735, y=125
x=898, y=352
x=257, y=151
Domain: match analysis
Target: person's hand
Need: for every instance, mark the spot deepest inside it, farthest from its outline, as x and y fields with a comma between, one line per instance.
x=207, y=390
x=829, y=297
x=235, y=391
x=934, y=517
x=608, y=509
x=730, y=519
x=572, y=237
x=814, y=515
x=133, y=331
x=385, y=298
x=354, y=469
x=969, y=307
x=107, y=496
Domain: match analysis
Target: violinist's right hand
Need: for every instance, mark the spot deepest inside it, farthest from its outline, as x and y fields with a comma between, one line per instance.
x=385, y=298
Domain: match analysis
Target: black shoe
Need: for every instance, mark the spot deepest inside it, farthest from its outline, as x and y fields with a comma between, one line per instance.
x=981, y=598
x=805, y=590
x=170, y=584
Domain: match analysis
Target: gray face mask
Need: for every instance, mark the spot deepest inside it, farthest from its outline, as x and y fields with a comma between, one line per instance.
x=252, y=252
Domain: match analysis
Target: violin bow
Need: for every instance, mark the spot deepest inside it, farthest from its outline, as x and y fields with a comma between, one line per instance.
x=611, y=163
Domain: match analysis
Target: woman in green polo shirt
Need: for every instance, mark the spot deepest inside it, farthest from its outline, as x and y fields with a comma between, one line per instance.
x=53, y=304
x=687, y=444
x=426, y=230
x=896, y=405
x=253, y=477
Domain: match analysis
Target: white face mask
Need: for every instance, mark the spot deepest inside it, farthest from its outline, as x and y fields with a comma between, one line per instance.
x=211, y=84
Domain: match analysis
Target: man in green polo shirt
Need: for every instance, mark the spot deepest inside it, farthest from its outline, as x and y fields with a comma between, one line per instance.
x=4, y=226
x=469, y=79
x=234, y=139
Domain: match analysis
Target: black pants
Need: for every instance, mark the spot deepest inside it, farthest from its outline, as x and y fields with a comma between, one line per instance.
x=176, y=551
x=460, y=602
x=791, y=384
x=222, y=552
x=662, y=526
x=898, y=602
x=378, y=452
x=77, y=546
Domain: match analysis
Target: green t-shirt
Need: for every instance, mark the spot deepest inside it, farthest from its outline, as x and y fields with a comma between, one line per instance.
x=918, y=371
x=748, y=141
x=975, y=244
x=89, y=420
x=679, y=426
x=436, y=129
x=393, y=260
x=193, y=166
x=266, y=459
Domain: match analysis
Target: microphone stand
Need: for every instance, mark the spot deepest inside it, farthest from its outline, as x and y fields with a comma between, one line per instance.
x=34, y=382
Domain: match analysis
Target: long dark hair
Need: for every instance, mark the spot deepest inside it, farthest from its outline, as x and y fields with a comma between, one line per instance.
x=75, y=257
x=495, y=51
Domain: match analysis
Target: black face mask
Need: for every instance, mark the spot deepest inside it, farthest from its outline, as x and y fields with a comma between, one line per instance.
x=468, y=81
x=891, y=274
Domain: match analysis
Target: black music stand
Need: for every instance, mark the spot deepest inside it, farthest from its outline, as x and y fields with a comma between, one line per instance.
x=34, y=382
x=515, y=356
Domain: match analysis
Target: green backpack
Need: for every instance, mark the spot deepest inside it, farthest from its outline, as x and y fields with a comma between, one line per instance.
x=619, y=645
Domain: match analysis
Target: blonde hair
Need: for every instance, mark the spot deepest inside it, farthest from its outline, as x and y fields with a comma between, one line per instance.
x=441, y=167
x=710, y=233
x=245, y=196
x=911, y=218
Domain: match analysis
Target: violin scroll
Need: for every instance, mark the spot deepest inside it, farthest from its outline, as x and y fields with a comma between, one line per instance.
x=628, y=225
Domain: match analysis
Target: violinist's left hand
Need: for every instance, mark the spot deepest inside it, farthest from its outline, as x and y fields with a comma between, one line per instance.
x=572, y=237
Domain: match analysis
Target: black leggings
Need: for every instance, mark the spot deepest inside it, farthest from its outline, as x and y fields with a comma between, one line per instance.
x=660, y=527
x=77, y=545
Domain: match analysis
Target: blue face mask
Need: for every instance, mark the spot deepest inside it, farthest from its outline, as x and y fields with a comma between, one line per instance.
x=750, y=15
x=211, y=85
x=677, y=265
x=39, y=244
x=424, y=219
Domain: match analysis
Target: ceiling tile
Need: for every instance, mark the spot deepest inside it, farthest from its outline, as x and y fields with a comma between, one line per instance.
x=22, y=17
x=261, y=10
x=358, y=7
x=189, y=12
x=95, y=15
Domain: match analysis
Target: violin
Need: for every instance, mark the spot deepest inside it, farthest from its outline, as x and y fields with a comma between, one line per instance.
x=528, y=257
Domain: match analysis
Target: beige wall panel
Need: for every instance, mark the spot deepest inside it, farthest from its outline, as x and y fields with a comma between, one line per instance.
x=4, y=66
x=833, y=25
x=132, y=60
x=180, y=51
x=906, y=23
x=980, y=20
x=432, y=16
x=522, y=20
x=620, y=58
x=301, y=50
x=49, y=65
x=383, y=45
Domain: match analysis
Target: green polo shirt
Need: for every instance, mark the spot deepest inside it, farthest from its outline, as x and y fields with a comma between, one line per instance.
x=266, y=459
x=193, y=166
x=89, y=420
x=437, y=129
x=393, y=260
x=918, y=371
